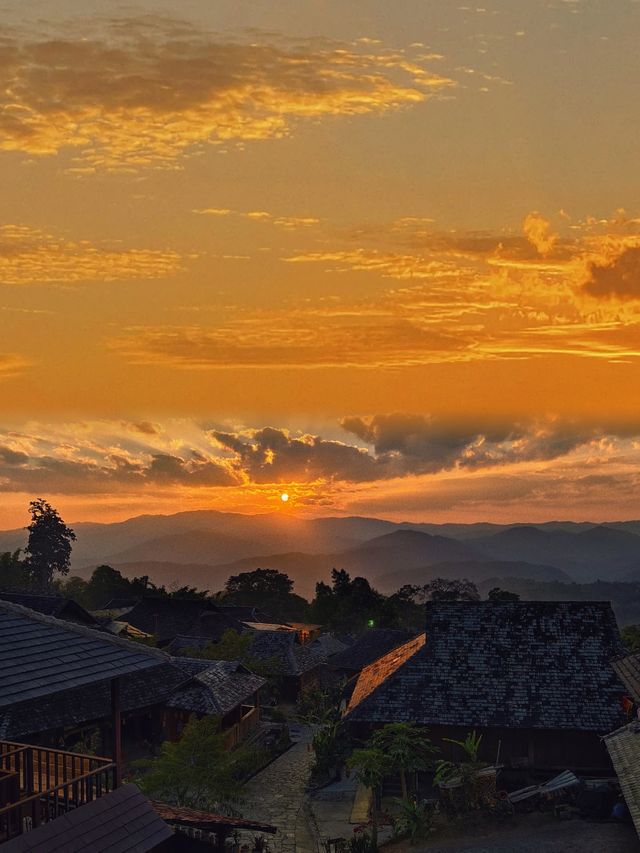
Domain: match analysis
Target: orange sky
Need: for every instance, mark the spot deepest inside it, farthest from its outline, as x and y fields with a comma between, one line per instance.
x=387, y=262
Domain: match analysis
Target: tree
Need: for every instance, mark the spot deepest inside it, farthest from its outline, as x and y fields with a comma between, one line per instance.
x=407, y=747
x=350, y=604
x=13, y=571
x=258, y=584
x=268, y=589
x=630, y=635
x=49, y=547
x=441, y=589
x=196, y=771
x=371, y=766
x=497, y=594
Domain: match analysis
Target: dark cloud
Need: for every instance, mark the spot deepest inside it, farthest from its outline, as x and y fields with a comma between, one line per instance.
x=418, y=444
x=618, y=278
x=12, y=457
x=271, y=455
x=22, y=473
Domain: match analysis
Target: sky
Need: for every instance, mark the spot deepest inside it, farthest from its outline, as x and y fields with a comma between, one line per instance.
x=384, y=258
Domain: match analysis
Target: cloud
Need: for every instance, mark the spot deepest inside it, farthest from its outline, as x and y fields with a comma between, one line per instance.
x=148, y=91
x=301, y=340
x=32, y=255
x=12, y=365
x=103, y=458
x=380, y=454
x=273, y=455
x=418, y=444
x=538, y=232
x=289, y=223
x=618, y=277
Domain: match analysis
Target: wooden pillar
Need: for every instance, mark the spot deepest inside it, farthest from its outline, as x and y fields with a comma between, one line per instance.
x=116, y=724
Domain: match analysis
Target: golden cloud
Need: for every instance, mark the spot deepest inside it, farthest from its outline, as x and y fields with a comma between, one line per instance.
x=32, y=255
x=144, y=93
x=11, y=365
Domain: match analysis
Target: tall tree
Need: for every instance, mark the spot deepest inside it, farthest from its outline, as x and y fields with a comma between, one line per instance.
x=49, y=547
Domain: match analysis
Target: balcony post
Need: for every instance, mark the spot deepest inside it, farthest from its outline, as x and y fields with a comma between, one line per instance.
x=117, y=730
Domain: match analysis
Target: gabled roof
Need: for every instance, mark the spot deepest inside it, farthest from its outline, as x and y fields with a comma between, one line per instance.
x=51, y=605
x=370, y=646
x=217, y=689
x=623, y=746
x=294, y=658
x=503, y=664
x=123, y=821
x=41, y=655
x=166, y=618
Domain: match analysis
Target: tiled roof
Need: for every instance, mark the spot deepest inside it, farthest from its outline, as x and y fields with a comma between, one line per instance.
x=377, y=673
x=168, y=617
x=628, y=669
x=216, y=690
x=123, y=821
x=51, y=605
x=146, y=689
x=624, y=748
x=294, y=658
x=198, y=686
x=41, y=655
x=516, y=664
x=373, y=644
x=207, y=820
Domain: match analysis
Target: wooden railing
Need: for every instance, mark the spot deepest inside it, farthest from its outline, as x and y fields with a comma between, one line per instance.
x=239, y=731
x=38, y=784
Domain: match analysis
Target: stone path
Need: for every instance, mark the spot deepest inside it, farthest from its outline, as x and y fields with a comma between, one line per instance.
x=277, y=796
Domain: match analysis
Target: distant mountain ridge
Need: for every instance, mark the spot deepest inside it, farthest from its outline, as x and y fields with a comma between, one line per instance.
x=203, y=547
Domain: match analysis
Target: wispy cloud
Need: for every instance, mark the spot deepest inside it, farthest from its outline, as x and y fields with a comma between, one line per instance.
x=147, y=91
x=32, y=255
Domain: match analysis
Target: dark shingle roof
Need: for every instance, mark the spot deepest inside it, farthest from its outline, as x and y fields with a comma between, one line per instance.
x=198, y=686
x=51, y=605
x=294, y=658
x=216, y=690
x=123, y=821
x=369, y=647
x=516, y=664
x=167, y=618
x=40, y=655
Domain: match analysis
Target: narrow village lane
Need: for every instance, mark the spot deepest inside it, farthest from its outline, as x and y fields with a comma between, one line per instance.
x=277, y=796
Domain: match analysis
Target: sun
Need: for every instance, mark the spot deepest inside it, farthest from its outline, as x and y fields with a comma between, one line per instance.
x=284, y=497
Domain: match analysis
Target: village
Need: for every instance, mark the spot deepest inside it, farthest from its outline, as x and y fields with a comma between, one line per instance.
x=132, y=718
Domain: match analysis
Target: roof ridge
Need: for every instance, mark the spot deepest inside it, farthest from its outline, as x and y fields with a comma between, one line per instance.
x=83, y=630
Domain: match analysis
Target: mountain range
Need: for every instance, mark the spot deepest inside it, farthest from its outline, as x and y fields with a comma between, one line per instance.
x=204, y=547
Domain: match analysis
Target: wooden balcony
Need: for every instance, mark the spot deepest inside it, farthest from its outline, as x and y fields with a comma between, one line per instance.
x=38, y=784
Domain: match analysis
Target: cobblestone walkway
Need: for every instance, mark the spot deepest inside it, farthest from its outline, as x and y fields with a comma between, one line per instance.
x=277, y=796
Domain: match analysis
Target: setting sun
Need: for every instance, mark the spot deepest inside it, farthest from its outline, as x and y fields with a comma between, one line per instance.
x=284, y=497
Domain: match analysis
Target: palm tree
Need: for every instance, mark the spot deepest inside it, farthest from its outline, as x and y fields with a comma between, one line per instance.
x=370, y=766
x=407, y=748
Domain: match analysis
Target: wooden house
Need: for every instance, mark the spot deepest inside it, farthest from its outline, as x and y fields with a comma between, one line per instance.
x=535, y=679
